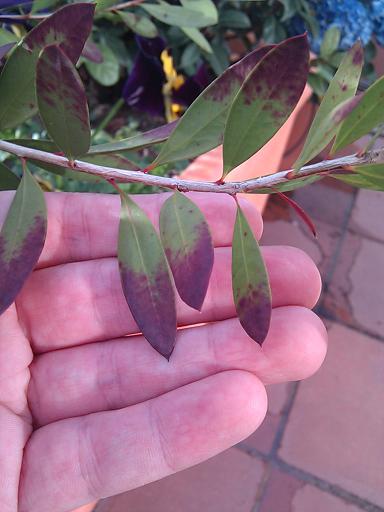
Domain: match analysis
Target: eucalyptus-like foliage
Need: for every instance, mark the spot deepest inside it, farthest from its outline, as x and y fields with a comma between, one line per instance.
x=243, y=108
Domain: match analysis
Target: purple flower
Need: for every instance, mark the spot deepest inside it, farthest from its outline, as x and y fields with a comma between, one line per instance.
x=144, y=86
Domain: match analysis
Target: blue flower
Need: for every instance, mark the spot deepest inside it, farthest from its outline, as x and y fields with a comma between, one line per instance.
x=377, y=14
x=351, y=16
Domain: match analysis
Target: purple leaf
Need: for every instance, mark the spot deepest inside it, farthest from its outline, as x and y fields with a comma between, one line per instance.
x=188, y=245
x=69, y=27
x=62, y=102
x=250, y=283
x=21, y=238
x=145, y=277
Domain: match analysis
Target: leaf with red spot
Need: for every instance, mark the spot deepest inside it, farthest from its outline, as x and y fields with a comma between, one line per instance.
x=250, y=283
x=62, y=102
x=21, y=238
x=202, y=126
x=69, y=27
x=188, y=246
x=342, y=87
x=267, y=97
x=146, y=278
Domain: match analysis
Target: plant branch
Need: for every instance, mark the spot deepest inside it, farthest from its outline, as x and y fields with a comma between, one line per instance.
x=24, y=17
x=252, y=185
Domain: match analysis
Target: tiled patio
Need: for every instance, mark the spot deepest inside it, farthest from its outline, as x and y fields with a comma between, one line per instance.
x=321, y=446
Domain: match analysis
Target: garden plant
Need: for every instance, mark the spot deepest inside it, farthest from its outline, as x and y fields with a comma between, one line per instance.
x=241, y=109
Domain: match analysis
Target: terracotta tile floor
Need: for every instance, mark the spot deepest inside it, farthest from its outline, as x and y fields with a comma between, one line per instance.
x=321, y=447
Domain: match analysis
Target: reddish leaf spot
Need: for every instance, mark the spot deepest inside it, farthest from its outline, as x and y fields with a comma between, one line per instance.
x=14, y=272
x=358, y=56
x=69, y=27
x=254, y=312
x=155, y=319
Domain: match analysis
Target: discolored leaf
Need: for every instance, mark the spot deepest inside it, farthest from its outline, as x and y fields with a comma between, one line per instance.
x=21, y=238
x=366, y=116
x=5, y=48
x=265, y=100
x=250, y=283
x=92, y=52
x=177, y=16
x=8, y=180
x=146, y=278
x=62, y=102
x=139, y=24
x=343, y=86
x=202, y=126
x=188, y=246
x=69, y=27
x=139, y=141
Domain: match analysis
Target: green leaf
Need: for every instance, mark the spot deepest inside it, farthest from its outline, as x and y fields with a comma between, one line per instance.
x=176, y=15
x=331, y=41
x=288, y=185
x=233, y=18
x=139, y=141
x=139, y=24
x=69, y=27
x=197, y=37
x=205, y=7
x=146, y=278
x=21, y=238
x=369, y=176
x=107, y=72
x=267, y=97
x=366, y=116
x=62, y=102
x=188, y=246
x=250, y=284
x=8, y=180
x=202, y=125
x=7, y=37
x=342, y=87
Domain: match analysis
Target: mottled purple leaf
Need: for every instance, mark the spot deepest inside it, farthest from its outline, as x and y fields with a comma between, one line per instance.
x=250, y=283
x=146, y=278
x=202, y=126
x=69, y=27
x=342, y=87
x=62, y=102
x=188, y=246
x=4, y=49
x=21, y=238
x=139, y=141
x=92, y=52
x=267, y=97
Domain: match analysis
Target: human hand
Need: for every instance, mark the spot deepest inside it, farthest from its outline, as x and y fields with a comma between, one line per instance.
x=86, y=412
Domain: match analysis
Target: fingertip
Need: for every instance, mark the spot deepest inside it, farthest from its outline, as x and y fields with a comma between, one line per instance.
x=296, y=345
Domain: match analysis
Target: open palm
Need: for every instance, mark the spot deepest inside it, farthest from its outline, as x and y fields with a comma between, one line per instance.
x=87, y=411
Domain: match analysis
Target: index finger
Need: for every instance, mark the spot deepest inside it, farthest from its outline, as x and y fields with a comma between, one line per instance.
x=84, y=226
